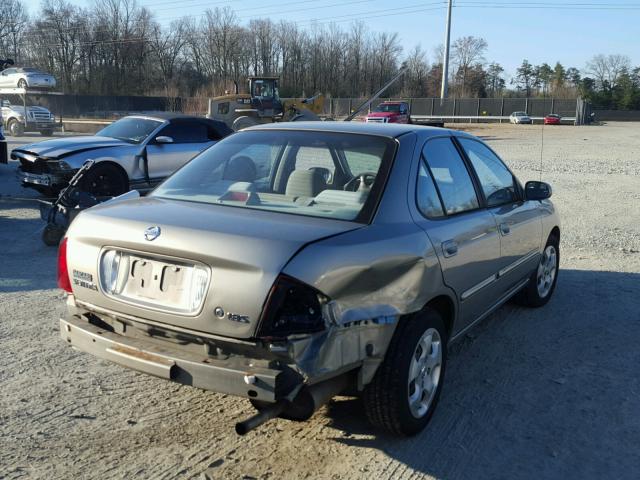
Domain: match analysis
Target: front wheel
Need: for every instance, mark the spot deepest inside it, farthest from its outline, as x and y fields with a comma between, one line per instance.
x=404, y=392
x=15, y=128
x=104, y=180
x=542, y=282
x=46, y=132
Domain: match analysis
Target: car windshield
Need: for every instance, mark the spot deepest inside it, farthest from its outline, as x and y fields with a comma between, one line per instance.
x=519, y=114
x=388, y=107
x=333, y=175
x=131, y=129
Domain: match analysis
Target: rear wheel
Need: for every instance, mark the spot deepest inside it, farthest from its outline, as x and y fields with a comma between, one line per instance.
x=104, y=180
x=404, y=392
x=15, y=128
x=542, y=282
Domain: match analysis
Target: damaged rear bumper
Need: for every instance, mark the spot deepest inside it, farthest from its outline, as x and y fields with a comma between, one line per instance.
x=234, y=375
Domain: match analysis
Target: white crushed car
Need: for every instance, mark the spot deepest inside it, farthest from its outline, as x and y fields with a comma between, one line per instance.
x=26, y=77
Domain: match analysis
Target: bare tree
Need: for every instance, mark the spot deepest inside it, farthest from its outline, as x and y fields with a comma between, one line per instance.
x=13, y=21
x=415, y=80
x=606, y=69
x=467, y=52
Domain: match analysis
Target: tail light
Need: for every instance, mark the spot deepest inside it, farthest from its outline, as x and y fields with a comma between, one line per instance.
x=63, y=272
x=291, y=307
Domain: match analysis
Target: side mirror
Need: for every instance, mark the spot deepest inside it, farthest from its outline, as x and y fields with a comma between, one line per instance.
x=537, y=190
x=164, y=139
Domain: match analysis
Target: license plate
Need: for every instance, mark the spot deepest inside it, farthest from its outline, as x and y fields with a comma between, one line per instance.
x=33, y=178
x=168, y=285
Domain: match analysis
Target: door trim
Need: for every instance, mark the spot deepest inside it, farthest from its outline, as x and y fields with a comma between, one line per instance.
x=488, y=281
x=476, y=288
x=518, y=262
x=491, y=309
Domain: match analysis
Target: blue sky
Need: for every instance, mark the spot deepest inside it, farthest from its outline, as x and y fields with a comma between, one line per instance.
x=571, y=34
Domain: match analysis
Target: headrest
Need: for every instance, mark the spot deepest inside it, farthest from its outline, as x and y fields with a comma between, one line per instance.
x=240, y=169
x=305, y=183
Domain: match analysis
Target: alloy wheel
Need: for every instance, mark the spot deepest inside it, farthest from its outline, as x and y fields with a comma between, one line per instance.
x=424, y=372
x=547, y=270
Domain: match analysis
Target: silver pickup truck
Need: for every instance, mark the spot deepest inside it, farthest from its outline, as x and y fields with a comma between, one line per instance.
x=36, y=119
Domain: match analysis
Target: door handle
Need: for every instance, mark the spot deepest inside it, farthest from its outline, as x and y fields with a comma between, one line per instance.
x=505, y=229
x=449, y=248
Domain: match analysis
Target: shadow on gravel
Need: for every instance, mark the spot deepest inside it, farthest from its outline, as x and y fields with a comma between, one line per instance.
x=533, y=393
x=26, y=263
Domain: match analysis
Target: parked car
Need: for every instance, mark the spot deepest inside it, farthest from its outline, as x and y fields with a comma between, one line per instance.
x=295, y=261
x=390, y=112
x=520, y=117
x=135, y=152
x=552, y=119
x=26, y=77
x=38, y=119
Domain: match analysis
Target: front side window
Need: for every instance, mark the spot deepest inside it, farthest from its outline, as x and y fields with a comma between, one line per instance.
x=364, y=158
x=130, y=129
x=451, y=176
x=284, y=171
x=497, y=182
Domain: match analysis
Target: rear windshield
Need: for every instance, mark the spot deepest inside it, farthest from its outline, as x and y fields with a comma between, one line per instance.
x=332, y=175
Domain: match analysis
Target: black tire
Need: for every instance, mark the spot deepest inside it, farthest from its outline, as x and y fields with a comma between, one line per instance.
x=15, y=128
x=386, y=398
x=46, y=133
x=52, y=234
x=530, y=295
x=22, y=83
x=105, y=180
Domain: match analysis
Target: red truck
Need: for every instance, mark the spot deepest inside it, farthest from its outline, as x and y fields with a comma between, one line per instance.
x=390, y=112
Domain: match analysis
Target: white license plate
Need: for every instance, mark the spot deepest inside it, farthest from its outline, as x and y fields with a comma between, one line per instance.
x=167, y=285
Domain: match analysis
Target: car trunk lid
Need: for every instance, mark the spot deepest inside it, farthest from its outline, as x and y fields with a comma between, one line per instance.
x=230, y=256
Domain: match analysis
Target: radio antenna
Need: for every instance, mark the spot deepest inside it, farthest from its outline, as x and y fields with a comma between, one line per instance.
x=541, y=147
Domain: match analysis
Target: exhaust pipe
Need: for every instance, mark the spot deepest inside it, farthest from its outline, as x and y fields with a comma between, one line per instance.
x=302, y=407
x=272, y=411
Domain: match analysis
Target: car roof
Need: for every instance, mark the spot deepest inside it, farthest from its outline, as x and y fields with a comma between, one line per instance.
x=167, y=116
x=392, y=130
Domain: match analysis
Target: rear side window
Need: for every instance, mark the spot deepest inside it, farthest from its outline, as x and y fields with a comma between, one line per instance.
x=428, y=200
x=497, y=182
x=451, y=176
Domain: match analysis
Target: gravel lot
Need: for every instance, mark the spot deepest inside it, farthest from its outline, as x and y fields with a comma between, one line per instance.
x=548, y=393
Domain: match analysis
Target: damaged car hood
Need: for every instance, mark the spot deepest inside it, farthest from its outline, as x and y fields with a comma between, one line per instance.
x=244, y=251
x=62, y=147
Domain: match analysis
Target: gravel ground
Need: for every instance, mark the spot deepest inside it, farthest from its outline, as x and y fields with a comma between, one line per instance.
x=547, y=393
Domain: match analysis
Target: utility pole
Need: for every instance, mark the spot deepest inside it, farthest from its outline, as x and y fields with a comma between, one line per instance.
x=445, y=62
